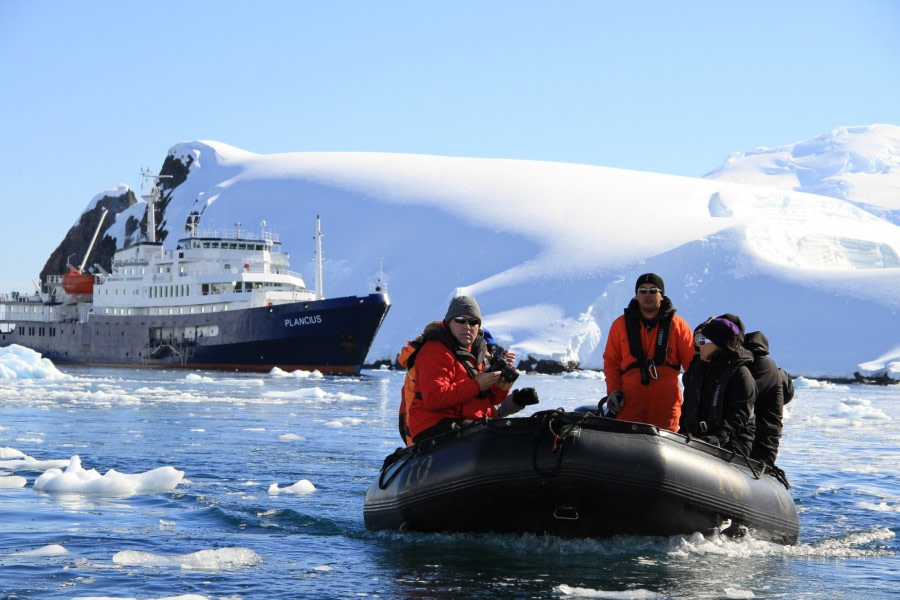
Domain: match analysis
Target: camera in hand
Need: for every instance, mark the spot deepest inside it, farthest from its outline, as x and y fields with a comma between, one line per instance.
x=498, y=363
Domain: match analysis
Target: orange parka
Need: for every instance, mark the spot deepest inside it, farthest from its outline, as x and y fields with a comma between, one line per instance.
x=659, y=401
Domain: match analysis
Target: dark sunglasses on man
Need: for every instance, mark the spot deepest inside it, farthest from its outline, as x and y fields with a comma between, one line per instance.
x=472, y=322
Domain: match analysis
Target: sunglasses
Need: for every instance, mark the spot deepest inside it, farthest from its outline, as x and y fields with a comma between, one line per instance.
x=702, y=341
x=471, y=322
x=648, y=290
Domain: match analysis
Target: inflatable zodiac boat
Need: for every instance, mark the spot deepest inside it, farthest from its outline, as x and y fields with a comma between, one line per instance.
x=576, y=475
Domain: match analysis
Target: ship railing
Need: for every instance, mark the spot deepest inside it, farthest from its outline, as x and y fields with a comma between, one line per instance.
x=236, y=271
x=20, y=298
x=236, y=234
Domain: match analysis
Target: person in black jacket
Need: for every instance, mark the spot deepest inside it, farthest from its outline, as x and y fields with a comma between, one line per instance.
x=769, y=405
x=719, y=400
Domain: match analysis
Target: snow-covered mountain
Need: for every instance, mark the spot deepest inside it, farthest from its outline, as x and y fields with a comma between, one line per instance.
x=551, y=250
x=857, y=164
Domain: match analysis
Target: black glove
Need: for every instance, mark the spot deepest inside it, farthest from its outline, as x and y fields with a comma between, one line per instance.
x=610, y=405
x=525, y=397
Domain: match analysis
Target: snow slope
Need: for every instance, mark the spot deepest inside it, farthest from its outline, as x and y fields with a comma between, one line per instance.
x=859, y=164
x=551, y=250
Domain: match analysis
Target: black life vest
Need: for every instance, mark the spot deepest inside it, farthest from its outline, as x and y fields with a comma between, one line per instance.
x=648, y=365
x=713, y=412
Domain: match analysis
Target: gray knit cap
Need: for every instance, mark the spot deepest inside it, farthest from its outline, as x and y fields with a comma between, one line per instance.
x=462, y=305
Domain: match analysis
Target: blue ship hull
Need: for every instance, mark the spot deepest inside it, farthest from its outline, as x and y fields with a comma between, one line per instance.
x=332, y=336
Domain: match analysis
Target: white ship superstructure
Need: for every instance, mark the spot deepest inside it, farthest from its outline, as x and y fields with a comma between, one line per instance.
x=218, y=299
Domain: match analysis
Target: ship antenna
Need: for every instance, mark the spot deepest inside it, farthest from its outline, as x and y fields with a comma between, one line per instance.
x=380, y=285
x=319, y=292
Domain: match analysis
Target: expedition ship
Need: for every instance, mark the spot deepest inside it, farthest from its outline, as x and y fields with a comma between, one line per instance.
x=219, y=300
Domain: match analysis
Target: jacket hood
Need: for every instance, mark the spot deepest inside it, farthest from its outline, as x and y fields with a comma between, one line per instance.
x=722, y=356
x=757, y=343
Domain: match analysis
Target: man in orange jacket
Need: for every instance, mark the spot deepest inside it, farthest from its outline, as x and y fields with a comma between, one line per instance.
x=646, y=349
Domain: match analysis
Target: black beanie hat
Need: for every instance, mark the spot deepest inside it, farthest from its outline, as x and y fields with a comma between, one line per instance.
x=650, y=278
x=462, y=305
x=721, y=332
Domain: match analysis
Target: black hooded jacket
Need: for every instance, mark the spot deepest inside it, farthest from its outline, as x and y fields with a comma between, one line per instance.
x=769, y=406
x=716, y=411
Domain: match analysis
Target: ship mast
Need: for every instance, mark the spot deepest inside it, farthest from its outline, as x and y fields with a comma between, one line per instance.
x=319, y=292
x=151, y=194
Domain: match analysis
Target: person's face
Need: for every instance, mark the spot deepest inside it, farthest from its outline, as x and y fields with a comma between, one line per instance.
x=706, y=347
x=649, y=297
x=465, y=329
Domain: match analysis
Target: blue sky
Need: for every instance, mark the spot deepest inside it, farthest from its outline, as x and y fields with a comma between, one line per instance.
x=93, y=91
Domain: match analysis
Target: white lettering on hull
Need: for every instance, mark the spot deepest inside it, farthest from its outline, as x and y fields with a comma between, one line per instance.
x=301, y=321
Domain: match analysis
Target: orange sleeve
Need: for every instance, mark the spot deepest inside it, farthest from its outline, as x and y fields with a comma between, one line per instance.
x=612, y=356
x=682, y=339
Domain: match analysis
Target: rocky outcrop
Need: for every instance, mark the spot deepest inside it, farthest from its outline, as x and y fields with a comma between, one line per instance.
x=75, y=244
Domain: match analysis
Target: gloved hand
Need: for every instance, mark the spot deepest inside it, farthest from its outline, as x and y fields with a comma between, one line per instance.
x=612, y=404
x=516, y=401
x=525, y=397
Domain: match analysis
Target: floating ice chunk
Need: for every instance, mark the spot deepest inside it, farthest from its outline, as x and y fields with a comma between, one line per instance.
x=736, y=593
x=167, y=525
x=206, y=560
x=18, y=362
x=9, y=482
x=12, y=459
x=298, y=374
x=580, y=592
x=11, y=453
x=303, y=486
x=859, y=408
x=48, y=550
x=289, y=437
x=586, y=374
x=77, y=480
x=196, y=378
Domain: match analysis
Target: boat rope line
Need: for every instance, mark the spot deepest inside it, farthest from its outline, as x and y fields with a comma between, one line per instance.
x=554, y=423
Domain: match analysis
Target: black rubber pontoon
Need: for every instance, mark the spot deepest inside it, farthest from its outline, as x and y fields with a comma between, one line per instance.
x=575, y=475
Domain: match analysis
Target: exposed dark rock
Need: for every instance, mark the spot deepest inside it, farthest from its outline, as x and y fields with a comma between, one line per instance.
x=547, y=367
x=78, y=238
x=378, y=364
x=172, y=174
x=882, y=379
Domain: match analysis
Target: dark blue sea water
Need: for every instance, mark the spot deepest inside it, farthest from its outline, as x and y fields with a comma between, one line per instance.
x=226, y=532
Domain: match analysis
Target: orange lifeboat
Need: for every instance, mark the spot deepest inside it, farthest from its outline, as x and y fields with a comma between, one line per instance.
x=76, y=282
